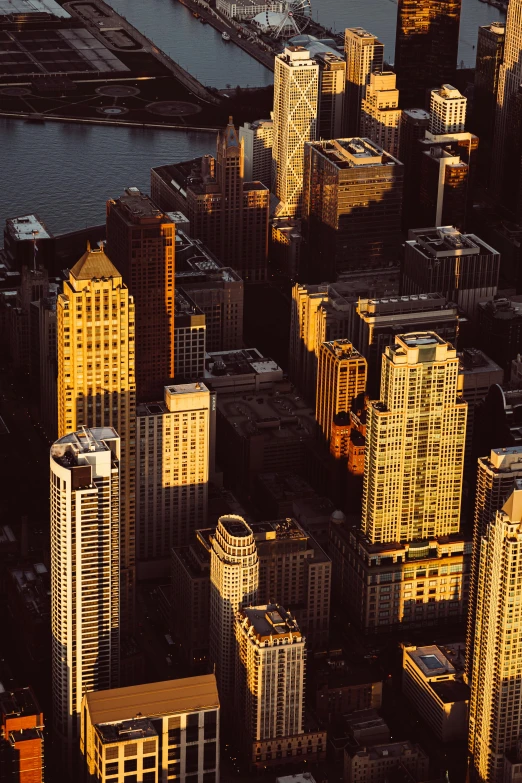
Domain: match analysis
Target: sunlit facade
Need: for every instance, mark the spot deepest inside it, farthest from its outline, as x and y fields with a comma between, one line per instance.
x=380, y=113
x=364, y=56
x=341, y=376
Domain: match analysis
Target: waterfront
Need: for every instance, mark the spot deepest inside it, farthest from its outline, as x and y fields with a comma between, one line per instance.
x=66, y=172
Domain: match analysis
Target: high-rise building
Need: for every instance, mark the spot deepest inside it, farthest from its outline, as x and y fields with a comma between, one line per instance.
x=85, y=574
x=379, y=320
x=500, y=329
x=21, y=737
x=23, y=236
x=341, y=376
x=189, y=339
x=332, y=82
x=495, y=478
x=296, y=85
x=157, y=731
x=234, y=581
x=490, y=53
x=380, y=113
x=510, y=77
x=415, y=435
x=364, y=56
x=270, y=674
x=190, y=601
x=96, y=373
x=447, y=110
x=140, y=243
x=495, y=717
x=173, y=453
x=426, y=47
x=462, y=267
x=258, y=139
x=413, y=126
x=352, y=203
x=96, y=386
x=45, y=334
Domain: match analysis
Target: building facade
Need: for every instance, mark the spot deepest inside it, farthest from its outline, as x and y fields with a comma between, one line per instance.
x=447, y=110
x=490, y=53
x=380, y=113
x=364, y=56
x=258, y=140
x=189, y=339
x=341, y=376
x=85, y=574
x=234, y=582
x=21, y=737
x=96, y=382
x=415, y=435
x=141, y=244
x=296, y=85
x=332, y=83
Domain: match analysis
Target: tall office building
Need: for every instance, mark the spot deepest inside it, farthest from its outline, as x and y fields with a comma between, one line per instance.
x=189, y=339
x=415, y=435
x=296, y=85
x=332, y=83
x=447, y=110
x=96, y=386
x=258, y=139
x=462, y=267
x=380, y=113
x=495, y=717
x=490, y=53
x=48, y=366
x=413, y=126
x=234, y=581
x=173, y=453
x=495, y=478
x=341, y=376
x=270, y=675
x=500, y=329
x=352, y=203
x=364, y=56
x=510, y=77
x=141, y=244
x=426, y=47
x=85, y=574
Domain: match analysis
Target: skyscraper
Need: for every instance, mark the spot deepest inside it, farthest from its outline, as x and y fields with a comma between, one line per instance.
x=173, y=448
x=364, y=56
x=490, y=53
x=352, y=203
x=414, y=124
x=258, y=139
x=341, y=376
x=296, y=84
x=270, y=674
x=234, y=580
x=380, y=113
x=415, y=435
x=510, y=77
x=447, y=110
x=96, y=387
x=141, y=244
x=495, y=477
x=332, y=83
x=426, y=47
x=495, y=715
x=85, y=573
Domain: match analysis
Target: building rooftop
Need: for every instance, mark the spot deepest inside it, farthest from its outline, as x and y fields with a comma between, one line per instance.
x=137, y=728
x=26, y=227
x=417, y=114
x=171, y=697
x=94, y=265
x=342, y=349
x=33, y=585
x=390, y=749
x=184, y=306
x=450, y=691
x=503, y=309
x=268, y=621
x=235, y=526
x=244, y=361
x=360, y=32
x=395, y=305
x=285, y=486
x=274, y=414
x=353, y=153
x=473, y=360
x=67, y=449
x=137, y=206
x=301, y=777
x=446, y=241
x=17, y=703
x=14, y=7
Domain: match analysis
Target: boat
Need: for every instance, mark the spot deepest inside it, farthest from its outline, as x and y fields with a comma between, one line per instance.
x=225, y=36
x=195, y=14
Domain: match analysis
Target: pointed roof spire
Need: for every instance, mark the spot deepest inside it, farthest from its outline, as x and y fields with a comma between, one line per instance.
x=513, y=505
x=94, y=265
x=231, y=138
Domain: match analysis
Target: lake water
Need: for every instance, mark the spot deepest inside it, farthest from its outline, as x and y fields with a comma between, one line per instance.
x=66, y=172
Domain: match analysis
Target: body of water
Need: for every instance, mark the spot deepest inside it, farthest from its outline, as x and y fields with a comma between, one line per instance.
x=66, y=172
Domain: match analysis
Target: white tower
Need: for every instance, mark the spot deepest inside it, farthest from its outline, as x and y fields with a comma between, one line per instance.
x=296, y=84
x=85, y=572
x=447, y=111
x=234, y=579
x=495, y=716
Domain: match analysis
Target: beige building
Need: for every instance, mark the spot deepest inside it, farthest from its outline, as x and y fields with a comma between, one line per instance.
x=96, y=383
x=85, y=575
x=432, y=681
x=296, y=84
x=234, y=581
x=159, y=731
x=374, y=764
x=447, y=111
x=258, y=139
x=380, y=113
x=173, y=447
x=495, y=721
x=415, y=435
x=341, y=376
x=364, y=56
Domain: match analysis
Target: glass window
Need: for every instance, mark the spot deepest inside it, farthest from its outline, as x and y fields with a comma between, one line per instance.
x=191, y=759
x=210, y=719
x=209, y=755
